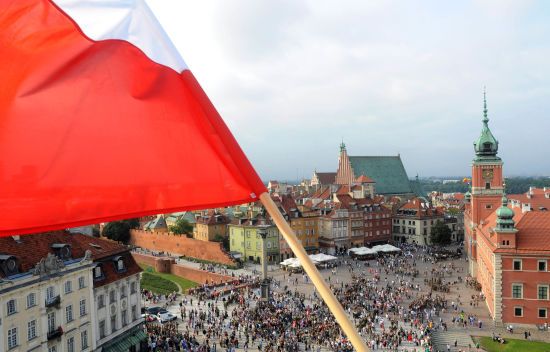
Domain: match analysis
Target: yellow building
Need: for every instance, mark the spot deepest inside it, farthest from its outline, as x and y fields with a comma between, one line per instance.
x=211, y=226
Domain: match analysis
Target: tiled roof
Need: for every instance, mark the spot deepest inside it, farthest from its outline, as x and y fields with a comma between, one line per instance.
x=322, y=193
x=326, y=178
x=213, y=218
x=420, y=207
x=30, y=249
x=364, y=179
x=343, y=189
x=536, y=199
x=387, y=171
x=534, y=231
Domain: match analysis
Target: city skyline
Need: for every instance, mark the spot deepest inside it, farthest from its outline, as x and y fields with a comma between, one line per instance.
x=293, y=79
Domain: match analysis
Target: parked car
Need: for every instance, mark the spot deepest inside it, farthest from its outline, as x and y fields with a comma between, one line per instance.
x=165, y=317
x=156, y=310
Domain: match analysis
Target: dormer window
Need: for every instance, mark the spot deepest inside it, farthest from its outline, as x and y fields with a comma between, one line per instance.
x=119, y=264
x=62, y=250
x=8, y=264
x=98, y=273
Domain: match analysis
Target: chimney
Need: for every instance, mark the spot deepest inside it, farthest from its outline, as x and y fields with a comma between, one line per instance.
x=531, y=190
x=525, y=207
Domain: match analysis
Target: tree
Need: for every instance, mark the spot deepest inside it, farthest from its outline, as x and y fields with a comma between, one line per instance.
x=182, y=227
x=224, y=240
x=117, y=231
x=441, y=234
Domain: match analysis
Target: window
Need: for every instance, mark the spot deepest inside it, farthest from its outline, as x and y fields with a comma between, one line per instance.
x=517, y=290
x=70, y=344
x=52, y=349
x=100, y=301
x=31, y=329
x=124, y=317
x=543, y=292
x=84, y=339
x=51, y=322
x=120, y=265
x=543, y=313
x=11, y=307
x=542, y=265
x=123, y=292
x=68, y=286
x=82, y=307
x=81, y=283
x=134, y=312
x=97, y=272
x=113, y=323
x=102, y=329
x=488, y=186
x=133, y=287
x=12, y=338
x=518, y=311
x=69, y=313
x=112, y=297
x=517, y=264
x=31, y=300
x=49, y=293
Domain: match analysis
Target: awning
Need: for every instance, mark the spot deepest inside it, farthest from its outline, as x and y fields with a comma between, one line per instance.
x=125, y=341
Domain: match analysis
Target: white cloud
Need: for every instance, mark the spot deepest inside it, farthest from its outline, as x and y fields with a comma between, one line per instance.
x=291, y=78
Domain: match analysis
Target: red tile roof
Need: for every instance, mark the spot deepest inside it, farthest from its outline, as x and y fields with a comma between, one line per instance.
x=30, y=249
x=326, y=178
x=536, y=198
x=365, y=179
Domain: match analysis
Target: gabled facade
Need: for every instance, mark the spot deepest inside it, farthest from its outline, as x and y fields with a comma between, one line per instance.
x=245, y=239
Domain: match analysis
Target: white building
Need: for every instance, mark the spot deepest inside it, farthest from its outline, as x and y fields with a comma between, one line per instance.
x=50, y=286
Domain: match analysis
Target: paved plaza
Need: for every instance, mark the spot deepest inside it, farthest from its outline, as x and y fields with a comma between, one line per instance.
x=455, y=316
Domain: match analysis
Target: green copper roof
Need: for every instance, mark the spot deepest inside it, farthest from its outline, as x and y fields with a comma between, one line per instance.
x=387, y=171
x=486, y=146
x=505, y=217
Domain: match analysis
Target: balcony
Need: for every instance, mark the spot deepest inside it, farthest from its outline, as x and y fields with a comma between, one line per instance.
x=53, y=302
x=53, y=334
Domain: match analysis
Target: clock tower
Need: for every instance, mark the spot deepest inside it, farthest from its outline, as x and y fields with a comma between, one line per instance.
x=487, y=180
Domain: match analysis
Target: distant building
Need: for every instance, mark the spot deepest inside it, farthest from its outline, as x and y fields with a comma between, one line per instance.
x=211, y=226
x=387, y=171
x=304, y=223
x=245, y=239
x=413, y=222
x=322, y=179
x=507, y=240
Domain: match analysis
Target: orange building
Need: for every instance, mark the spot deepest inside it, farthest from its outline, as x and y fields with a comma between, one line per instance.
x=507, y=242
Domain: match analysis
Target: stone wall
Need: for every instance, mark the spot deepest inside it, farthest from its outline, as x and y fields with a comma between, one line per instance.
x=180, y=245
x=168, y=265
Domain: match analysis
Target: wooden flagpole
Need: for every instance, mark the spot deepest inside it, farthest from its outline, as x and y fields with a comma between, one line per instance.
x=319, y=282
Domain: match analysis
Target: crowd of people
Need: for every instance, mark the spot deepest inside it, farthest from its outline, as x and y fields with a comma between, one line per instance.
x=388, y=300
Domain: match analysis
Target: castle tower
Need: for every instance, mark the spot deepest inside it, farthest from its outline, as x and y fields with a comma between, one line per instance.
x=487, y=180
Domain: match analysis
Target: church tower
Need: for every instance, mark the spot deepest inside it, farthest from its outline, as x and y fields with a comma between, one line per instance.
x=487, y=181
x=344, y=175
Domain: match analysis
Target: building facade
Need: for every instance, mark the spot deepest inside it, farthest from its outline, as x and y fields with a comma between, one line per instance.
x=506, y=242
x=211, y=226
x=48, y=299
x=245, y=239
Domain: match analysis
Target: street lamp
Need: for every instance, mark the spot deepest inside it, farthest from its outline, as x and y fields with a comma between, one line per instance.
x=265, y=282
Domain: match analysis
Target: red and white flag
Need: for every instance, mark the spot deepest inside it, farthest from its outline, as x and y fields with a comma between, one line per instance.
x=100, y=119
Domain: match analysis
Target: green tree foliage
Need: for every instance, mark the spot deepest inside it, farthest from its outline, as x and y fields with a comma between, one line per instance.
x=224, y=241
x=441, y=234
x=117, y=231
x=514, y=185
x=182, y=227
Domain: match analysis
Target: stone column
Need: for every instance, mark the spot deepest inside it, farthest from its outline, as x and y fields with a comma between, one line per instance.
x=265, y=281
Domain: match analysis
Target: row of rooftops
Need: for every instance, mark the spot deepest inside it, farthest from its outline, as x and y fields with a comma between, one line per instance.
x=19, y=255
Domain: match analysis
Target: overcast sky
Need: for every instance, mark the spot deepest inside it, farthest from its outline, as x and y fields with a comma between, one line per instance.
x=292, y=78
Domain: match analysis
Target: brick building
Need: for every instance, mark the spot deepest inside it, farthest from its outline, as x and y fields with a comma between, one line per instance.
x=507, y=241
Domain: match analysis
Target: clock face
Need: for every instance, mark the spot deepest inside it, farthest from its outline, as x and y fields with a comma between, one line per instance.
x=488, y=173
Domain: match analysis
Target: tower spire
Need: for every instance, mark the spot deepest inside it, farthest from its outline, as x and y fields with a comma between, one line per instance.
x=485, y=118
